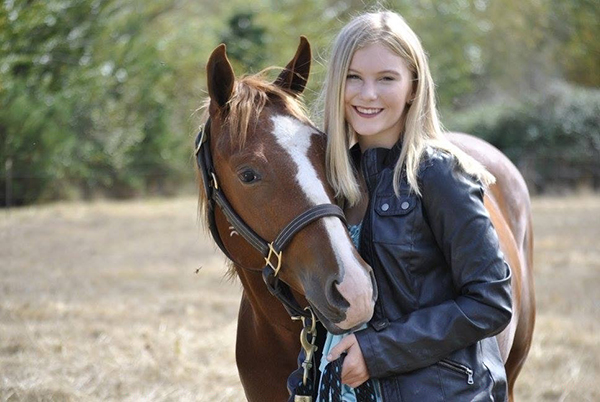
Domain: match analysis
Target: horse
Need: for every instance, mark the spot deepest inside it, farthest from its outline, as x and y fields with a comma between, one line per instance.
x=270, y=163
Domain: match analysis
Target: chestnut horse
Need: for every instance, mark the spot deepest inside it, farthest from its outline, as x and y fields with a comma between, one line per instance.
x=270, y=163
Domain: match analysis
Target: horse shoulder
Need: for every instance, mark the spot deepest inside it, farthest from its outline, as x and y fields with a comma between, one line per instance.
x=509, y=192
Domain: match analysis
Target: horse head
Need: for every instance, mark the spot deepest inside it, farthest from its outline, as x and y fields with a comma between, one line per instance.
x=270, y=163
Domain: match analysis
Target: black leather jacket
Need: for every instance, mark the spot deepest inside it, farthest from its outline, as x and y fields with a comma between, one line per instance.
x=444, y=287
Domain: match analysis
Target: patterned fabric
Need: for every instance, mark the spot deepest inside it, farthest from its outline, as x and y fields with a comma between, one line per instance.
x=331, y=381
x=355, y=233
x=348, y=394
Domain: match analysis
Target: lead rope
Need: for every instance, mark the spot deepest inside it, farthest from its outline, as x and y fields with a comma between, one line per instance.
x=331, y=384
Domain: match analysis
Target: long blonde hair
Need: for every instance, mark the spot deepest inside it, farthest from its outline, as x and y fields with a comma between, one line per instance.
x=422, y=127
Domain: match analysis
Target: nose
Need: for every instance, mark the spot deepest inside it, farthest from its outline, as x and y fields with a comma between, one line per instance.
x=368, y=91
x=333, y=295
x=359, y=290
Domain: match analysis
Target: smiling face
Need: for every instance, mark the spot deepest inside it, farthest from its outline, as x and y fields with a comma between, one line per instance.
x=378, y=88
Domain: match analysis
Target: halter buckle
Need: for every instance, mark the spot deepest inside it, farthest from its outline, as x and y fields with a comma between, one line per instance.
x=279, y=256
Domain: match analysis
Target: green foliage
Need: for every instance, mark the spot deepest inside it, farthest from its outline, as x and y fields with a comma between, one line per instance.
x=245, y=41
x=41, y=45
x=82, y=103
x=574, y=28
x=99, y=96
x=554, y=137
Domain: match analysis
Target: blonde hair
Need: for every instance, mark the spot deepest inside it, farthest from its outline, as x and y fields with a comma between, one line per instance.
x=422, y=127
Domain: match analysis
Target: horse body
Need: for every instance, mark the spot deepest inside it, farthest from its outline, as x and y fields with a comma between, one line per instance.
x=321, y=266
x=509, y=206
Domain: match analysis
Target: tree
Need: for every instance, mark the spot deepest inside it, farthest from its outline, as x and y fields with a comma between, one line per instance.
x=83, y=98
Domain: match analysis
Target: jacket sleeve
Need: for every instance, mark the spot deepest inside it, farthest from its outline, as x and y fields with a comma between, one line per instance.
x=453, y=204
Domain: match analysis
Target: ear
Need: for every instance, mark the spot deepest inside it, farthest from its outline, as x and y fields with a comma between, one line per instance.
x=220, y=77
x=295, y=75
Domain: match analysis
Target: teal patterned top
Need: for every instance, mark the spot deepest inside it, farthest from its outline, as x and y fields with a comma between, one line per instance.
x=354, y=231
x=332, y=340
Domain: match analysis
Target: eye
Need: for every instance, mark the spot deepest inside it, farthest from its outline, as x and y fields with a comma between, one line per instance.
x=248, y=176
x=352, y=77
x=387, y=78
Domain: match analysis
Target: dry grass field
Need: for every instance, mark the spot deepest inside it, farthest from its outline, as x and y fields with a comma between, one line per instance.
x=101, y=302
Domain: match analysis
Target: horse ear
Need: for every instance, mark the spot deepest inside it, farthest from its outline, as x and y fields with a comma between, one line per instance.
x=220, y=77
x=295, y=75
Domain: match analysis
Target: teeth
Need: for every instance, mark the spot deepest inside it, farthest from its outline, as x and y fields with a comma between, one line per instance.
x=365, y=110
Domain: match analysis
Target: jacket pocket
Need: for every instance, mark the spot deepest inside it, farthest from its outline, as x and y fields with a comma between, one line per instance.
x=457, y=368
x=394, y=219
x=419, y=385
x=392, y=205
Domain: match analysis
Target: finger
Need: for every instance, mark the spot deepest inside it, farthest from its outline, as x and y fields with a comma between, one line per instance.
x=344, y=346
x=354, y=378
x=338, y=349
x=351, y=373
x=350, y=369
x=355, y=383
x=353, y=369
x=348, y=372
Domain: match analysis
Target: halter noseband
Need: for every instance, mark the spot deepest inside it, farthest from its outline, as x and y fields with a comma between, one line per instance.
x=269, y=250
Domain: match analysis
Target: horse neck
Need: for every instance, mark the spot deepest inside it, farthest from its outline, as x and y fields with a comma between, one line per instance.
x=267, y=309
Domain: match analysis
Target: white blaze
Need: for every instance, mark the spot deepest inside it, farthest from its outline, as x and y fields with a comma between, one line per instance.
x=295, y=138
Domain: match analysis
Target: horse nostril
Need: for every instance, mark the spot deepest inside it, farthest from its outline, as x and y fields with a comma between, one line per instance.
x=334, y=297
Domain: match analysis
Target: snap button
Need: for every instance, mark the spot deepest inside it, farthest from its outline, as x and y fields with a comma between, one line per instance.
x=405, y=205
x=381, y=325
x=385, y=207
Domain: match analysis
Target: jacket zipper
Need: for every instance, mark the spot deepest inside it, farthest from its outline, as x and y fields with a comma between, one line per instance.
x=459, y=368
x=369, y=220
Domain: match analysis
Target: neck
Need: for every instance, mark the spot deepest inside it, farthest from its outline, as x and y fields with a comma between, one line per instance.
x=266, y=309
x=376, y=142
x=267, y=342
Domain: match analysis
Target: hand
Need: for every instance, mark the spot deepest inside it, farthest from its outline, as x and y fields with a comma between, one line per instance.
x=354, y=370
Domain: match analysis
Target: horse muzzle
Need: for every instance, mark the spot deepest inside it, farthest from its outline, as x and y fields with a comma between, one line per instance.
x=346, y=304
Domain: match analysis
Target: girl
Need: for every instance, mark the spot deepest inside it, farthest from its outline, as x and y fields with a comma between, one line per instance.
x=415, y=204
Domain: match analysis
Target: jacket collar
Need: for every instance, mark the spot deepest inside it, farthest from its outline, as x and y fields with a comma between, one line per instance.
x=375, y=160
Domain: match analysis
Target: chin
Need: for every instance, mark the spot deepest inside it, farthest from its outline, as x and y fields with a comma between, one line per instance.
x=332, y=327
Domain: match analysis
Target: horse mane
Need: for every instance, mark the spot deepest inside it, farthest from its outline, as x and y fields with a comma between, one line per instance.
x=250, y=95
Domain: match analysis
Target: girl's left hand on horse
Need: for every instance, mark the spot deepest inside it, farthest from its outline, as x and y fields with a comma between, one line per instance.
x=354, y=370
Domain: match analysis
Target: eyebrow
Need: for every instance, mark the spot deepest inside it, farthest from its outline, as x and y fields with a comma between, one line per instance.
x=394, y=72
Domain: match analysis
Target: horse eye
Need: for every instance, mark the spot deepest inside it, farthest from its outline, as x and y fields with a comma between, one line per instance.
x=248, y=176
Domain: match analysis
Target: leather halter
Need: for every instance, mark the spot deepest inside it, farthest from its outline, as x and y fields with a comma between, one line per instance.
x=269, y=250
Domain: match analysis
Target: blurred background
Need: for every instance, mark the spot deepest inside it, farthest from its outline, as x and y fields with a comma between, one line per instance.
x=97, y=97
x=109, y=290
